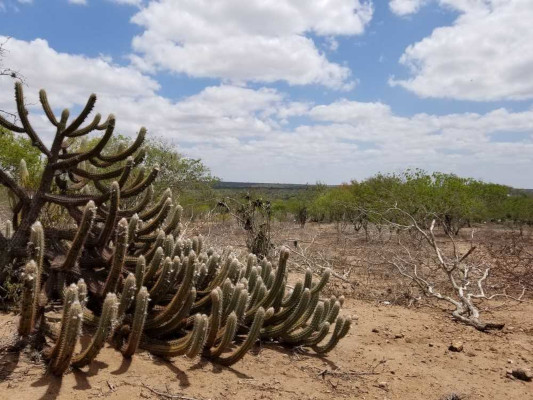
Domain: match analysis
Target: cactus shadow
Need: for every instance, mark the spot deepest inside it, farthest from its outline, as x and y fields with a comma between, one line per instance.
x=218, y=368
x=180, y=374
x=293, y=352
x=124, y=366
x=82, y=383
x=54, y=386
x=8, y=363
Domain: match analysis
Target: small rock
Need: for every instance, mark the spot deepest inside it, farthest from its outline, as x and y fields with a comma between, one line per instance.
x=387, y=303
x=398, y=336
x=408, y=340
x=375, y=330
x=522, y=374
x=456, y=347
x=431, y=344
x=383, y=385
x=509, y=361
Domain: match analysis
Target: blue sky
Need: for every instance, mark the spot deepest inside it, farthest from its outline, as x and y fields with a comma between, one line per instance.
x=292, y=90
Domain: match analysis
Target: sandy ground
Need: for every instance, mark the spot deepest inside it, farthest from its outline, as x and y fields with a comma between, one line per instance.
x=391, y=353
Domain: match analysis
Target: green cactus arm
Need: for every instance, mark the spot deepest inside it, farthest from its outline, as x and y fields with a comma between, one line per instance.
x=308, y=278
x=105, y=324
x=140, y=271
x=126, y=172
x=296, y=338
x=70, y=296
x=273, y=293
x=68, y=339
x=80, y=119
x=73, y=161
x=198, y=338
x=87, y=129
x=168, y=245
x=333, y=312
x=219, y=278
x=177, y=347
x=98, y=176
x=253, y=335
x=317, y=337
x=177, y=301
x=242, y=304
x=129, y=212
x=83, y=292
x=215, y=317
x=342, y=326
x=225, y=336
x=128, y=152
x=119, y=255
x=163, y=283
x=104, y=124
x=28, y=307
x=43, y=98
x=174, y=222
x=37, y=239
x=177, y=320
x=109, y=225
x=287, y=324
x=313, y=303
x=81, y=236
x=153, y=211
x=10, y=126
x=139, y=317
x=135, y=190
x=133, y=224
x=155, y=263
x=232, y=302
x=258, y=294
x=23, y=116
x=155, y=222
x=127, y=297
x=323, y=281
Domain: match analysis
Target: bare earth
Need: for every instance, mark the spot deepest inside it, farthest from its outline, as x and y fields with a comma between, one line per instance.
x=392, y=353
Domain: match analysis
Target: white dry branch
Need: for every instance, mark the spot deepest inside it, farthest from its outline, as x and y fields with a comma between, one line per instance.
x=466, y=279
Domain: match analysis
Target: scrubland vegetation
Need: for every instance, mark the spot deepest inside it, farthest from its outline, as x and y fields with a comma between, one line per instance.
x=115, y=243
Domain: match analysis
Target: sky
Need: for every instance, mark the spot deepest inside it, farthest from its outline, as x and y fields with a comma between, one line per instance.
x=292, y=91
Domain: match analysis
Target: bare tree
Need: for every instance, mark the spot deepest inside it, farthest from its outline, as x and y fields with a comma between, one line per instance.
x=7, y=72
x=462, y=283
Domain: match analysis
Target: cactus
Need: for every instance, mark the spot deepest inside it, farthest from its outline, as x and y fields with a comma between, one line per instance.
x=108, y=317
x=176, y=298
x=29, y=298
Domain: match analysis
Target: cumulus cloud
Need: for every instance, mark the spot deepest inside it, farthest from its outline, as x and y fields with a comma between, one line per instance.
x=484, y=56
x=405, y=7
x=251, y=134
x=249, y=40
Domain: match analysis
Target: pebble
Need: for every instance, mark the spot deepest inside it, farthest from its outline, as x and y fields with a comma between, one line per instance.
x=456, y=346
x=522, y=374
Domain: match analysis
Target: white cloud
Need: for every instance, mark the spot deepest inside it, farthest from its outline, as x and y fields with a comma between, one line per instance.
x=484, y=56
x=250, y=40
x=128, y=2
x=251, y=134
x=78, y=2
x=406, y=7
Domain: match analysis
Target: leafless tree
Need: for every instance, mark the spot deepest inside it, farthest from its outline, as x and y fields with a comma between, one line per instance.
x=450, y=276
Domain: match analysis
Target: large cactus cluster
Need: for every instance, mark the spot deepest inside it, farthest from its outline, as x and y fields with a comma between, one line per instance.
x=124, y=273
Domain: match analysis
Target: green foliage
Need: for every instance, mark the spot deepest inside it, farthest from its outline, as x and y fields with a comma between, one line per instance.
x=13, y=148
x=454, y=201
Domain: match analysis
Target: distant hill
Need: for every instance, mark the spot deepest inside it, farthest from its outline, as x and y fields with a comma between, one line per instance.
x=254, y=185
